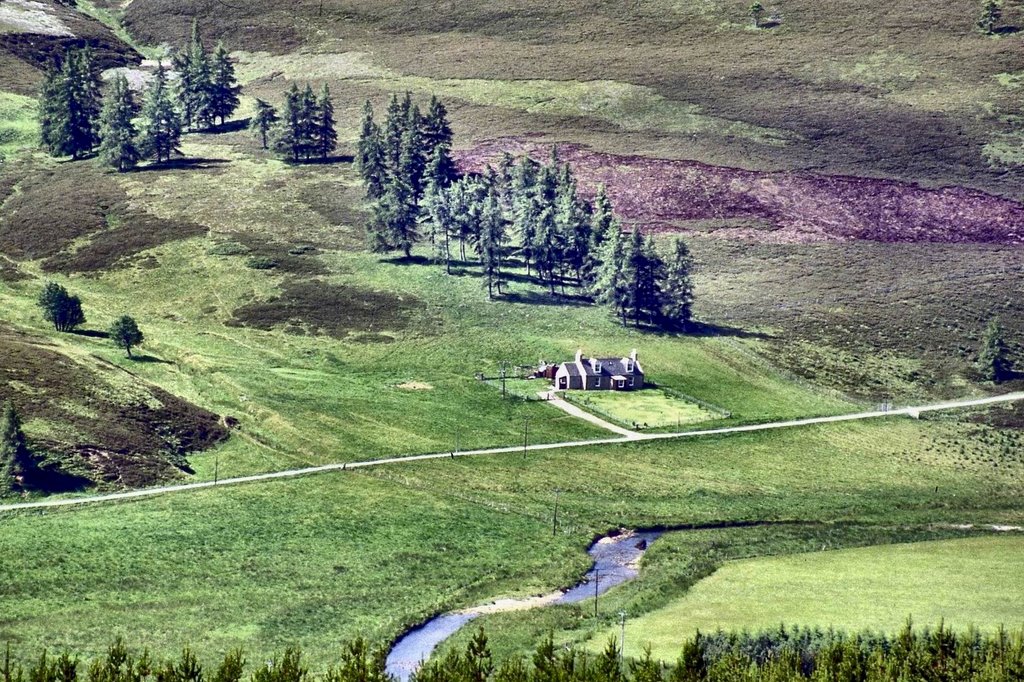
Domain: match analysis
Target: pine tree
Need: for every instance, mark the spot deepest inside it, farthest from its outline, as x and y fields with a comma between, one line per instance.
x=645, y=271
x=436, y=204
x=677, y=288
x=307, y=129
x=394, y=130
x=195, y=83
x=411, y=164
x=52, y=110
x=287, y=138
x=16, y=460
x=126, y=334
x=573, y=219
x=994, y=362
x=325, y=137
x=548, y=246
x=60, y=308
x=224, y=89
x=492, y=242
x=394, y=225
x=525, y=208
x=612, y=285
x=161, y=133
x=117, y=129
x=991, y=13
x=436, y=129
x=601, y=217
x=370, y=155
x=70, y=107
x=263, y=120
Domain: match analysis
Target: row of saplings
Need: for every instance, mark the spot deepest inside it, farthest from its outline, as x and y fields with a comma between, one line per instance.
x=778, y=656
x=521, y=213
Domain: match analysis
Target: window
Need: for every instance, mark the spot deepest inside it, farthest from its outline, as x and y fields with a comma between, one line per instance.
x=632, y=381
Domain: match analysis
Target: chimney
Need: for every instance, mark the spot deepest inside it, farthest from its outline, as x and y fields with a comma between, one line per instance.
x=579, y=354
x=632, y=355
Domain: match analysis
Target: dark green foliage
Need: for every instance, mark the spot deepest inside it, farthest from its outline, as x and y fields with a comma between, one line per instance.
x=756, y=12
x=644, y=271
x=289, y=668
x=601, y=218
x=232, y=668
x=224, y=89
x=360, y=663
x=195, y=83
x=492, y=242
x=370, y=157
x=117, y=129
x=306, y=126
x=677, y=288
x=611, y=286
x=991, y=13
x=69, y=106
x=325, y=137
x=436, y=129
x=393, y=225
x=60, y=308
x=125, y=333
x=161, y=133
x=263, y=120
x=994, y=362
x=16, y=460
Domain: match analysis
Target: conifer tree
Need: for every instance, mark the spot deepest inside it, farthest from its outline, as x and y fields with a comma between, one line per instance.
x=291, y=137
x=126, y=334
x=645, y=270
x=677, y=288
x=994, y=357
x=370, y=154
x=411, y=164
x=325, y=137
x=394, y=130
x=195, y=83
x=307, y=129
x=573, y=219
x=492, y=242
x=70, y=107
x=60, y=308
x=16, y=460
x=263, y=121
x=436, y=202
x=612, y=285
x=525, y=208
x=547, y=246
x=117, y=129
x=991, y=13
x=161, y=132
x=394, y=225
x=52, y=109
x=224, y=89
x=601, y=218
x=437, y=130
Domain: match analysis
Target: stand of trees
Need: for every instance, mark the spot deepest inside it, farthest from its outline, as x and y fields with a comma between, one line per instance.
x=74, y=122
x=781, y=655
x=520, y=214
x=304, y=129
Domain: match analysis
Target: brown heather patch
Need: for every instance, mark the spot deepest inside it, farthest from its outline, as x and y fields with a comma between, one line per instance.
x=105, y=423
x=317, y=307
x=778, y=207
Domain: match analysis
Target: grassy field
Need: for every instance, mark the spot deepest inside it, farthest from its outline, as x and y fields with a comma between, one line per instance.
x=648, y=408
x=297, y=561
x=961, y=583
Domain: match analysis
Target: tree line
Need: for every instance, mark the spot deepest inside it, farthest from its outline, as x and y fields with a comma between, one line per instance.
x=781, y=655
x=76, y=119
x=521, y=213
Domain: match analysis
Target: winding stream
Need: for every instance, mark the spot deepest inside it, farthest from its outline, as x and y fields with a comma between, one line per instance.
x=616, y=560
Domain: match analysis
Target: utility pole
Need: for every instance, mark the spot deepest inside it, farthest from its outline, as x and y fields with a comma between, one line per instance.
x=622, y=636
x=526, y=435
x=216, y=468
x=456, y=440
x=597, y=581
x=554, y=517
x=503, y=379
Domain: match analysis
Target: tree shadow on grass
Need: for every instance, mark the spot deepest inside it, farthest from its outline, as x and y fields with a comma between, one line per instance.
x=182, y=164
x=150, y=358
x=1006, y=30
x=546, y=298
x=91, y=333
x=228, y=127
x=709, y=329
x=410, y=260
x=50, y=478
